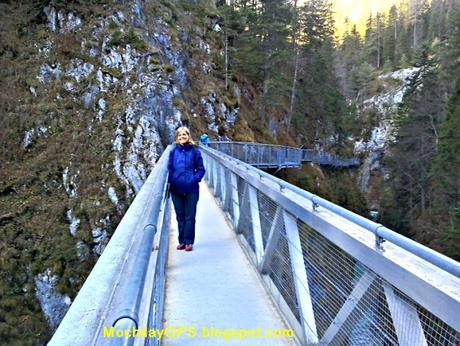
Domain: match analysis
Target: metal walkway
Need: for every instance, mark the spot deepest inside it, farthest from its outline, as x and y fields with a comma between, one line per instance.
x=215, y=286
x=266, y=249
x=280, y=156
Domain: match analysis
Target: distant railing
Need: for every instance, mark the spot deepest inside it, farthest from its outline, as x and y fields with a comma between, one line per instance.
x=125, y=289
x=279, y=156
x=261, y=155
x=328, y=269
x=326, y=159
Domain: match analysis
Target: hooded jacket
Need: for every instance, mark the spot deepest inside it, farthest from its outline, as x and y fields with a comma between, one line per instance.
x=185, y=168
x=204, y=139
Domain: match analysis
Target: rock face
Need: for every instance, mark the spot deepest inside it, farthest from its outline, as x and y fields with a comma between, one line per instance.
x=54, y=305
x=384, y=105
x=102, y=90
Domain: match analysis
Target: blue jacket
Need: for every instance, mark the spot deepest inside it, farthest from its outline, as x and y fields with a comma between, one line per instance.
x=204, y=139
x=185, y=168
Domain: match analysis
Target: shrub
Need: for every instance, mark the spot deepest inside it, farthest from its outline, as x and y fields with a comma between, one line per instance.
x=169, y=68
x=116, y=39
x=134, y=40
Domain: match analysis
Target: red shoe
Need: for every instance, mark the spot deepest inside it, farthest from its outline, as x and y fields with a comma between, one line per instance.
x=181, y=247
x=189, y=247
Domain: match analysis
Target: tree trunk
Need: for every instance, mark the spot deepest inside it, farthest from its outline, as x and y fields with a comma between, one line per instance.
x=226, y=59
x=396, y=32
x=293, y=90
x=296, y=66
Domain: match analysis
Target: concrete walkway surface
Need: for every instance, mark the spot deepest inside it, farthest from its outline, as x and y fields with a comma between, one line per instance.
x=213, y=294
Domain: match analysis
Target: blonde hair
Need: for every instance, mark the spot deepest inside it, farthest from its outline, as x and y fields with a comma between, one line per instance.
x=187, y=131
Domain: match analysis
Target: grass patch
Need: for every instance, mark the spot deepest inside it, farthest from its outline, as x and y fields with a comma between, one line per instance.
x=131, y=37
x=168, y=68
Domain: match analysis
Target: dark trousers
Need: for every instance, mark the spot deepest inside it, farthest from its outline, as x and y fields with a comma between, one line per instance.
x=185, y=207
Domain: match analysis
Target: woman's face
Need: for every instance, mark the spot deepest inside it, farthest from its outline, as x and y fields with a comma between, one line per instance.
x=182, y=137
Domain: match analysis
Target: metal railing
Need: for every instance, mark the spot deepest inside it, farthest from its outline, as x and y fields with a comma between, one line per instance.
x=279, y=156
x=328, y=272
x=125, y=289
x=261, y=155
x=326, y=159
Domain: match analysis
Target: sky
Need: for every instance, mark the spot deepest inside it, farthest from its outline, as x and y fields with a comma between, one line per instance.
x=357, y=12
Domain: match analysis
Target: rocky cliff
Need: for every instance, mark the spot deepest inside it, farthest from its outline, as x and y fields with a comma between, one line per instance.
x=377, y=109
x=91, y=93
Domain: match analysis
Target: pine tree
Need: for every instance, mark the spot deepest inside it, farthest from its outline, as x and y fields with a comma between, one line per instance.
x=243, y=30
x=445, y=175
x=451, y=236
x=437, y=21
x=295, y=47
x=370, y=41
x=321, y=108
x=373, y=40
x=391, y=37
x=419, y=22
x=417, y=136
x=380, y=27
x=450, y=60
x=403, y=51
x=351, y=61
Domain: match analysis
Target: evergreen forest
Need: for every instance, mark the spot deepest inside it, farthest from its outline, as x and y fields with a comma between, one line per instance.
x=315, y=81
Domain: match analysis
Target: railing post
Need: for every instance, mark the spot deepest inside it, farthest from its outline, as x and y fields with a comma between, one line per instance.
x=244, y=212
x=210, y=172
x=214, y=174
x=228, y=193
x=206, y=167
x=235, y=202
x=217, y=189
x=300, y=279
x=270, y=155
x=256, y=228
x=222, y=183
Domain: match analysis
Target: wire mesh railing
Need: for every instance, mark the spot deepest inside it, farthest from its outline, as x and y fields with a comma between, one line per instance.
x=261, y=155
x=329, y=277
x=326, y=159
x=125, y=289
x=279, y=156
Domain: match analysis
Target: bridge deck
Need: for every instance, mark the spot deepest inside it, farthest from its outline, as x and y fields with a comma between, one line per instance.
x=215, y=285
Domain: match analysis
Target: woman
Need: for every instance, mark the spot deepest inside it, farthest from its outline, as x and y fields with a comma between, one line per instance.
x=185, y=172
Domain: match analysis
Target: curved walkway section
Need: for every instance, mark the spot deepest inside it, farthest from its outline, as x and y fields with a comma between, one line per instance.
x=213, y=294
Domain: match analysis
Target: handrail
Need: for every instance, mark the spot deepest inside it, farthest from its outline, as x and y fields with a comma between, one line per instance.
x=279, y=155
x=380, y=231
x=324, y=158
x=254, y=143
x=327, y=274
x=261, y=155
x=111, y=296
